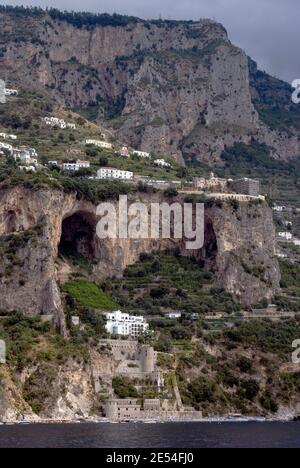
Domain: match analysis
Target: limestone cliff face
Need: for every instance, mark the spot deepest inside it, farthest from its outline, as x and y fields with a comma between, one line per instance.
x=239, y=247
x=175, y=88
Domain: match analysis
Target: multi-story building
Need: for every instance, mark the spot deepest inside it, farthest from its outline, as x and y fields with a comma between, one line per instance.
x=113, y=173
x=162, y=163
x=122, y=324
x=211, y=183
x=99, y=143
x=246, y=186
x=76, y=166
x=25, y=154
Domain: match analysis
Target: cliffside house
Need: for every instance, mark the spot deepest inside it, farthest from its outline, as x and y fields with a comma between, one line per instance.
x=124, y=152
x=11, y=92
x=25, y=154
x=162, y=163
x=118, y=323
x=141, y=154
x=173, y=315
x=76, y=166
x=287, y=236
x=60, y=123
x=6, y=136
x=211, y=183
x=113, y=173
x=99, y=143
x=6, y=146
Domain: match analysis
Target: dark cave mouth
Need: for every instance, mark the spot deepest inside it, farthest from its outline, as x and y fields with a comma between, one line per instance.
x=78, y=237
x=208, y=254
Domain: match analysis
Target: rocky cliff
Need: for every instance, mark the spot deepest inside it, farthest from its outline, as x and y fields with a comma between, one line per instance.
x=178, y=88
x=34, y=224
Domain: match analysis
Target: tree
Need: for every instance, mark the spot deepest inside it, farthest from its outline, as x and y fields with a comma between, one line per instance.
x=103, y=161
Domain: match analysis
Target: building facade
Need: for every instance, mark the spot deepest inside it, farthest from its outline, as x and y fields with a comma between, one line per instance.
x=141, y=154
x=99, y=143
x=122, y=324
x=113, y=173
x=162, y=163
x=246, y=186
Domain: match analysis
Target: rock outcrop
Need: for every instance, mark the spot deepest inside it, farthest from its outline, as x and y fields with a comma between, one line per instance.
x=239, y=247
x=176, y=88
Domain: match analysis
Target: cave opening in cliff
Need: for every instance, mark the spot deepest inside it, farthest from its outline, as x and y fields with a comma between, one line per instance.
x=208, y=253
x=78, y=237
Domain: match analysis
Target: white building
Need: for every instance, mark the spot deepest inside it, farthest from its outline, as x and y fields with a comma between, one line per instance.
x=83, y=164
x=141, y=154
x=113, y=173
x=60, y=123
x=118, y=323
x=285, y=235
x=27, y=168
x=124, y=152
x=11, y=92
x=99, y=143
x=173, y=315
x=74, y=167
x=25, y=154
x=278, y=208
x=5, y=136
x=6, y=146
x=162, y=163
x=296, y=242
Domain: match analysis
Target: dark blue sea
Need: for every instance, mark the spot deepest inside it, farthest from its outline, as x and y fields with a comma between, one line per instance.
x=169, y=435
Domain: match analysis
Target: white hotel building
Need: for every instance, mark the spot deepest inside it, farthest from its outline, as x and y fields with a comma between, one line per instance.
x=122, y=324
x=99, y=143
x=113, y=173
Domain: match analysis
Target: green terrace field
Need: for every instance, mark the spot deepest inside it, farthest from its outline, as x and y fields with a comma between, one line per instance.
x=162, y=282
x=289, y=299
x=88, y=295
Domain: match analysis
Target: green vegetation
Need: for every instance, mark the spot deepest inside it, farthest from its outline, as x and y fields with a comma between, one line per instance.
x=279, y=179
x=290, y=274
x=247, y=355
x=124, y=388
x=162, y=281
x=271, y=337
x=88, y=294
x=273, y=100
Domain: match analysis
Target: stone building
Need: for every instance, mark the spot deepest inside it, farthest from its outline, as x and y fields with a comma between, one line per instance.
x=246, y=186
x=212, y=183
x=134, y=360
x=127, y=409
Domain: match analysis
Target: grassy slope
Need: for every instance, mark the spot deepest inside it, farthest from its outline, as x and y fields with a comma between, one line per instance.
x=88, y=294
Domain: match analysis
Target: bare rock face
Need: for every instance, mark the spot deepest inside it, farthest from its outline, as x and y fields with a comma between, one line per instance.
x=239, y=248
x=12, y=405
x=175, y=88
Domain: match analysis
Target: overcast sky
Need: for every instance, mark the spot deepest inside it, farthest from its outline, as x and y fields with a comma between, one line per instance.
x=267, y=29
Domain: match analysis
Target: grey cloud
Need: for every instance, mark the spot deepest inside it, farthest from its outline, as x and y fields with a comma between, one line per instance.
x=268, y=30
